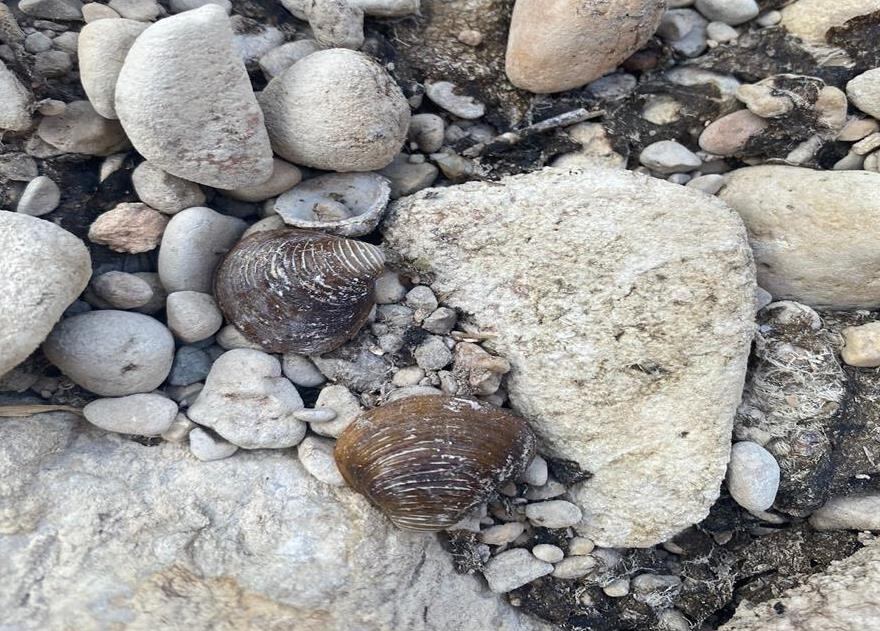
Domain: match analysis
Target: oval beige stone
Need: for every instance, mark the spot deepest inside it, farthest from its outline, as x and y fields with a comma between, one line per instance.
x=185, y=100
x=557, y=45
x=814, y=233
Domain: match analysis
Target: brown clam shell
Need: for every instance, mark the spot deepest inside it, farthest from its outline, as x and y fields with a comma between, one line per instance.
x=425, y=461
x=296, y=291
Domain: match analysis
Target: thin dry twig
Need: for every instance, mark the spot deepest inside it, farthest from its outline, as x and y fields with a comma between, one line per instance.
x=12, y=411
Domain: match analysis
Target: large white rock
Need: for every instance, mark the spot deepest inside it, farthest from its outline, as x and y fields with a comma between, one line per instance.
x=842, y=598
x=44, y=268
x=102, y=47
x=556, y=45
x=336, y=110
x=185, y=100
x=625, y=307
x=814, y=233
x=101, y=532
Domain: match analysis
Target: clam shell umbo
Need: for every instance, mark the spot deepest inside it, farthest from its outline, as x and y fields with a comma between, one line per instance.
x=426, y=461
x=347, y=204
x=295, y=291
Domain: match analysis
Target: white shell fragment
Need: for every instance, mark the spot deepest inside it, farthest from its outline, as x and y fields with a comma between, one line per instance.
x=345, y=204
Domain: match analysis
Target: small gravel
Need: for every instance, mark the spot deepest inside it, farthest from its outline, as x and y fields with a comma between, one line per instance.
x=668, y=156
x=301, y=370
x=503, y=533
x=549, y=553
x=554, y=514
x=514, y=568
x=446, y=95
x=536, y=473
x=389, y=289
x=179, y=429
x=141, y=414
x=346, y=406
x=316, y=455
x=191, y=364
x=617, y=588
x=433, y=354
x=574, y=567
x=193, y=316
x=752, y=476
x=731, y=12
x=122, y=290
x=862, y=345
x=580, y=546
x=207, y=446
x=441, y=321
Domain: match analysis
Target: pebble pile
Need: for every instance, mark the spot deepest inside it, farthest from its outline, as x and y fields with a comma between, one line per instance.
x=145, y=140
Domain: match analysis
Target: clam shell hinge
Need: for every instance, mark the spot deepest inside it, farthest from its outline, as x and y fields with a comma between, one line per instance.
x=295, y=291
x=426, y=461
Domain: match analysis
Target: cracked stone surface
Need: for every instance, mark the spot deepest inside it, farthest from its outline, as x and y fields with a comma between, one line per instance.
x=156, y=538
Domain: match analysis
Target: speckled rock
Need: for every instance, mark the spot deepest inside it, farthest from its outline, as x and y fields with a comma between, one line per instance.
x=336, y=110
x=752, y=476
x=185, y=100
x=246, y=540
x=249, y=403
x=102, y=47
x=112, y=353
x=44, y=270
x=193, y=316
x=814, y=239
x=654, y=425
x=556, y=45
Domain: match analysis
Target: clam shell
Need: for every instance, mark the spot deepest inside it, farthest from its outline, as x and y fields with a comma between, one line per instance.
x=295, y=291
x=426, y=461
x=347, y=204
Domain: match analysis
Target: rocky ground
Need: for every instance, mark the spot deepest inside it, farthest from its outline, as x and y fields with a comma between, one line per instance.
x=649, y=228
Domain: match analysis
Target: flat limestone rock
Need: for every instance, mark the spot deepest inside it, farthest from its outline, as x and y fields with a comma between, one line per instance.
x=625, y=306
x=814, y=233
x=844, y=597
x=185, y=101
x=44, y=269
x=96, y=529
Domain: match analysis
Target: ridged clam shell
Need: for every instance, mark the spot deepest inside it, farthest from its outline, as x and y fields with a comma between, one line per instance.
x=425, y=461
x=347, y=204
x=295, y=291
